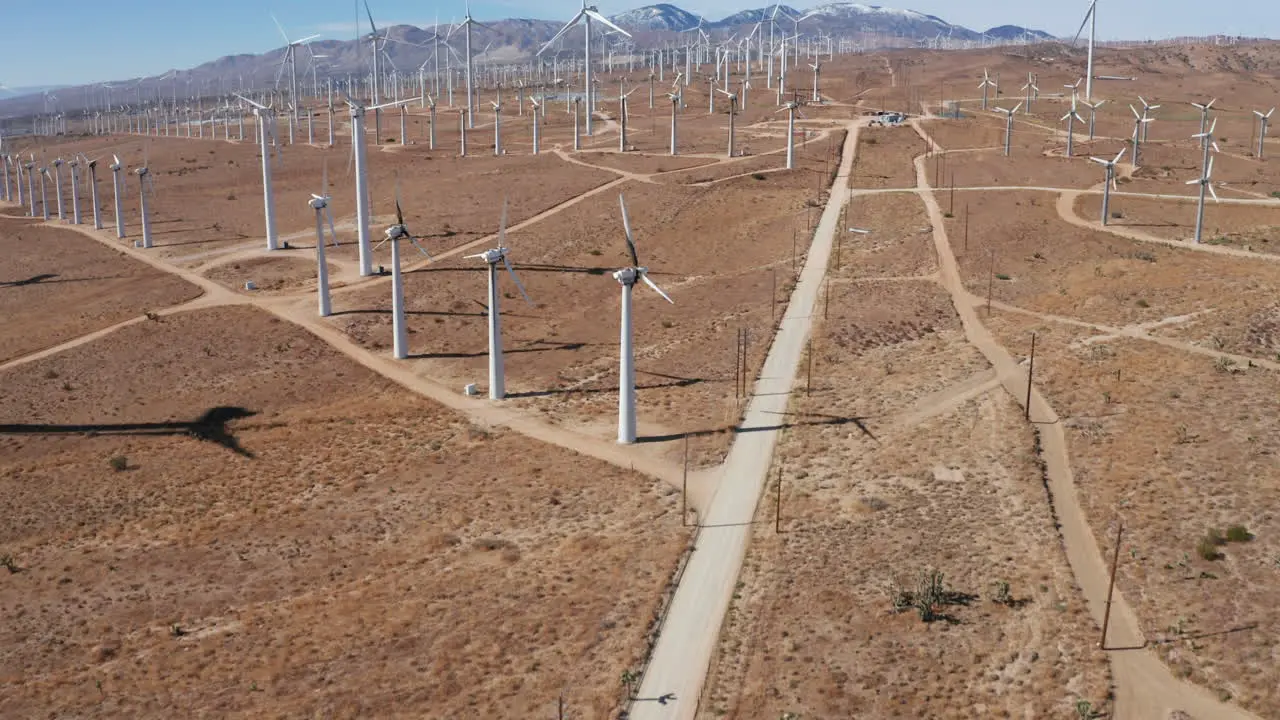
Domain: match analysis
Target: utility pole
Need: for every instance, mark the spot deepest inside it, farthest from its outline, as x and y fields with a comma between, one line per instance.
x=1115, y=563
x=684, y=487
x=991, y=279
x=808, y=382
x=1031, y=368
x=777, y=515
x=966, y=228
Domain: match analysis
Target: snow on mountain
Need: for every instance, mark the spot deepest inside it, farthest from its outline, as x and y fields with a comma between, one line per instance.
x=751, y=17
x=1015, y=32
x=660, y=17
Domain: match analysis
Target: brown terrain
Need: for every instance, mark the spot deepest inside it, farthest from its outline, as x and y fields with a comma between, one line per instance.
x=222, y=503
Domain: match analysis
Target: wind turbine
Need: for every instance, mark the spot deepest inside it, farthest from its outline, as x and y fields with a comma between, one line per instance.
x=1093, y=114
x=93, y=191
x=733, y=111
x=1008, y=126
x=291, y=59
x=266, y=137
x=536, y=134
x=585, y=15
x=1110, y=165
x=1262, y=136
x=143, y=173
x=1138, y=122
x=320, y=203
x=817, y=67
x=790, y=108
x=1204, y=114
x=497, y=127
x=57, y=186
x=117, y=188
x=362, y=177
x=985, y=86
x=1146, y=111
x=465, y=25
x=31, y=190
x=1071, y=118
x=1091, y=19
x=75, y=191
x=1205, y=181
x=627, y=278
x=623, y=114
x=394, y=234
x=675, y=103
x=44, y=199
x=497, y=373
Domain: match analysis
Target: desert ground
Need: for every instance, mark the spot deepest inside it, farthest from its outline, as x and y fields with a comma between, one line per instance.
x=225, y=503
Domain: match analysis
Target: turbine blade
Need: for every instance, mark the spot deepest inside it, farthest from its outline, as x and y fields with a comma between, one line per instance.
x=502, y=225
x=645, y=277
x=519, y=285
x=626, y=225
x=333, y=232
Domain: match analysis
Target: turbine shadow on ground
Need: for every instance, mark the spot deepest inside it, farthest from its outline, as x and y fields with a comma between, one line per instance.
x=48, y=279
x=860, y=422
x=210, y=427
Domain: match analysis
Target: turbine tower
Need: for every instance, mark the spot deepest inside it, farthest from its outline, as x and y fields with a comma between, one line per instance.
x=627, y=278
x=394, y=234
x=1205, y=181
x=585, y=15
x=1008, y=126
x=1090, y=19
x=266, y=138
x=362, y=178
x=320, y=203
x=497, y=373
x=117, y=188
x=1110, y=182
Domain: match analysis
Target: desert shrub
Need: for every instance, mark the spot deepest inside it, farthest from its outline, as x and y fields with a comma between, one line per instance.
x=119, y=463
x=1002, y=276
x=757, y=176
x=1000, y=592
x=8, y=563
x=1239, y=533
x=1208, y=546
x=1142, y=303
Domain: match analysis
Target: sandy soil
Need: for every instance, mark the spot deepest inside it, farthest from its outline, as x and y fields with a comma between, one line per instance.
x=562, y=352
x=900, y=243
x=270, y=275
x=642, y=164
x=884, y=157
x=923, y=442
x=58, y=285
x=1175, y=446
x=1248, y=227
x=186, y=579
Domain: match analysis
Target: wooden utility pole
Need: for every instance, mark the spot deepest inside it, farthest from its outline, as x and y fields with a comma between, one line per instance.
x=839, y=242
x=826, y=303
x=952, y=210
x=684, y=486
x=793, y=248
x=808, y=382
x=966, y=228
x=777, y=515
x=773, y=298
x=1115, y=563
x=561, y=707
x=1031, y=369
x=737, y=365
x=991, y=279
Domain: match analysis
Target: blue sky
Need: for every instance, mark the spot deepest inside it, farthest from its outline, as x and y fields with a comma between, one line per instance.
x=102, y=41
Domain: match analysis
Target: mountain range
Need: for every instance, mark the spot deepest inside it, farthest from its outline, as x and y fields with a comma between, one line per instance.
x=518, y=39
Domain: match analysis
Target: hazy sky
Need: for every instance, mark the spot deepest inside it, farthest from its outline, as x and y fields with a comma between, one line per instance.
x=80, y=41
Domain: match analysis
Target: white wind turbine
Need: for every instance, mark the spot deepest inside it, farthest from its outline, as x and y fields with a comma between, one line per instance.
x=44, y=198
x=791, y=107
x=320, y=203
x=1146, y=112
x=675, y=104
x=497, y=126
x=817, y=68
x=1008, y=126
x=1091, y=19
x=31, y=190
x=143, y=174
x=985, y=87
x=1262, y=136
x=93, y=190
x=1071, y=117
x=585, y=15
x=627, y=278
x=497, y=372
x=466, y=24
x=1204, y=113
x=733, y=111
x=394, y=234
x=75, y=190
x=117, y=188
x=57, y=186
x=4, y=167
x=1205, y=181
x=1110, y=182
x=266, y=138
x=1139, y=120
x=362, y=177
x=291, y=59
x=537, y=137
x=1093, y=114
